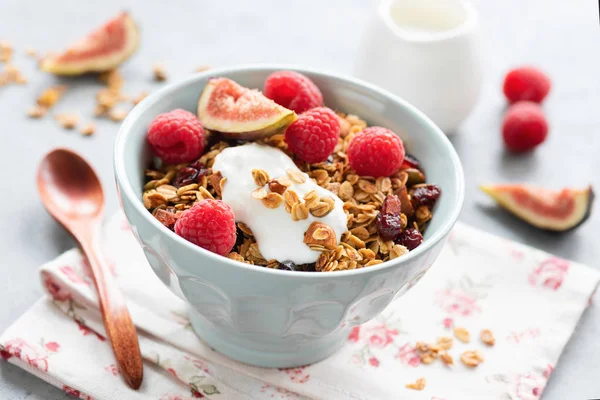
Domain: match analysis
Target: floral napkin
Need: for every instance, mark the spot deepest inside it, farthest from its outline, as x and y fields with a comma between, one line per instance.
x=530, y=300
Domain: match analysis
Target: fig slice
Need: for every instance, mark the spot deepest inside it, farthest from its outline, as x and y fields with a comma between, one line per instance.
x=102, y=50
x=554, y=210
x=240, y=113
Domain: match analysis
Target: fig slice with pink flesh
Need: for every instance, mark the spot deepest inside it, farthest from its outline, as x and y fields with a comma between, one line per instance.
x=102, y=50
x=240, y=113
x=554, y=210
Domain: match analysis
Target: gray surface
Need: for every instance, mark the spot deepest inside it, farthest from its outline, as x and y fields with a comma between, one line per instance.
x=561, y=36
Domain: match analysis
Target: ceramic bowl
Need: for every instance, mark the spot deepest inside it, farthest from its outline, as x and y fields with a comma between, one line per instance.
x=277, y=318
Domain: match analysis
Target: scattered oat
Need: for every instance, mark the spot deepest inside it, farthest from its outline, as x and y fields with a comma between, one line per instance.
x=272, y=200
x=299, y=211
x=137, y=99
x=462, y=334
x=446, y=358
x=37, y=112
x=88, y=129
x=30, y=52
x=67, y=120
x=487, y=337
x=278, y=186
x=112, y=79
x=117, y=115
x=159, y=73
x=203, y=68
x=259, y=193
x=419, y=384
x=471, y=358
x=260, y=176
x=6, y=51
x=445, y=342
x=296, y=176
x=50, y=96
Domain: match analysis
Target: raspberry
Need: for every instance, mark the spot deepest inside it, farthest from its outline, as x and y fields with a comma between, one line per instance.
x=313, y=136
x=526, y=83
x=376, y=152
x=209, y=224
x=524, y=126
x=293, y=90
x=176, y=137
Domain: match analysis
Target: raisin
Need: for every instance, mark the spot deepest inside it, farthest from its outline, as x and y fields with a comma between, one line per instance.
x=388, y=221
x=410, y=238
x=425, y=195
x=287, y=266
x=410, y=162
x=185, y=176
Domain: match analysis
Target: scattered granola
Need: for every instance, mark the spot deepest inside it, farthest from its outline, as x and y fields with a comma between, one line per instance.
x=137, y=99
x=67, y=120
x=446, y=358
x=49, y=97
x=419, y=384
x=88, y=129
x=117, y=115
x=203, y=68
x=471, y=358
x=37, y=112
x=6, y=51
x=159, y=72
x=11, y=74
x=487, y=337
x=462, y=334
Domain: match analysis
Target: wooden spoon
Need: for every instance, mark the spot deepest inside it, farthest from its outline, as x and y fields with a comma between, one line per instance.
x=72, y=194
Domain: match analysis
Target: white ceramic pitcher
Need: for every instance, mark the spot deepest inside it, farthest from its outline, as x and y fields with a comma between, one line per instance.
x=427, y=52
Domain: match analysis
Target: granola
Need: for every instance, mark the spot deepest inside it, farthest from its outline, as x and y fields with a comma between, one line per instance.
x=361, y=246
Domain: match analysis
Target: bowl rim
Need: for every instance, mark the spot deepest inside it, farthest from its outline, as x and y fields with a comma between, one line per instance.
x=126, y=188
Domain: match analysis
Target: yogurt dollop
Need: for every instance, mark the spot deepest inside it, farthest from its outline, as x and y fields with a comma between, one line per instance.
x=278, y=236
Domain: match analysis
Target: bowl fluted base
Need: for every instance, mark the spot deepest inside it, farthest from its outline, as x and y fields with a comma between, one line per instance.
x=285, y=354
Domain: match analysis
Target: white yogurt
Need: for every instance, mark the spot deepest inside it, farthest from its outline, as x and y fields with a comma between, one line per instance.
x=277, y=235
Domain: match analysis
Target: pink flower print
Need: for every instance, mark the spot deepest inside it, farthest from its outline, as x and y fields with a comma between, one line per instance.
x=172, y=371
x=381, y=336
x=547, y=371
x=297, y=375
x=457, y=301
x=550, y=273
x=528, y=387
x=52, y=346
x=112, y=369
x=167, y=396
x=518, y=337
x=448, y=322
x=25, y=352
x=374, y=362
x=354, y=334
x=75, y=392
x=56, y=291
x=198, y=364
x=87, y=331
x=407, y=354
x=125, y=226
x=196, y=394
x=72, y=275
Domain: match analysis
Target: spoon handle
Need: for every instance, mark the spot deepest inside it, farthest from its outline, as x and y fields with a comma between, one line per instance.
x=117, y=321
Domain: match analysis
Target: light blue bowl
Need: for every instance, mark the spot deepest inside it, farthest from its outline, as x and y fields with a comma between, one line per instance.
x=276, y=318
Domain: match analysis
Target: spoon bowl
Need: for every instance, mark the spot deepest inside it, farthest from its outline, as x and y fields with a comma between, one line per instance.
x=72, y=194
x=69, y=186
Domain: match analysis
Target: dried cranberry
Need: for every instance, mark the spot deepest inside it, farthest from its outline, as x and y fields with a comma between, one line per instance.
x=410, y=162
x=185, y=176
x=287, y=266
x=426, y=195
x=196, y=164
x=409, y=238
x=388, y=221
